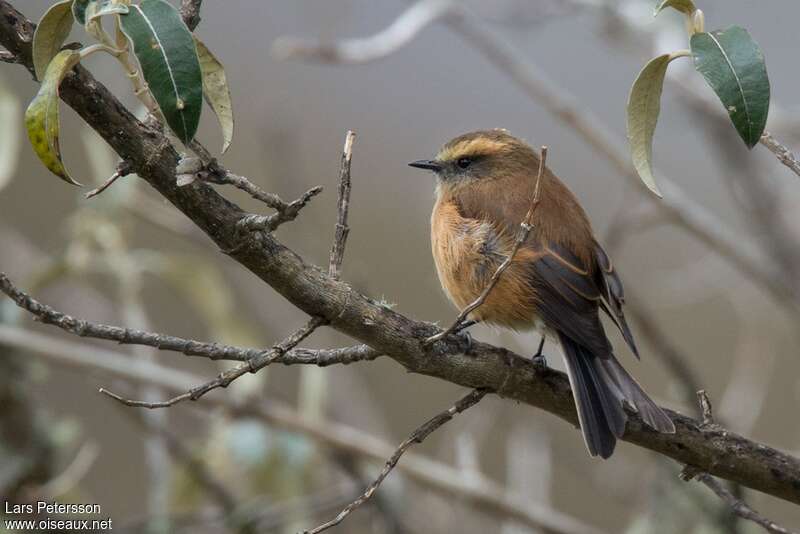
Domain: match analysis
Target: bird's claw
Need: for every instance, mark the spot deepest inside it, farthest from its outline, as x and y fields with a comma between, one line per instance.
x=539, y=361
x=466, y=341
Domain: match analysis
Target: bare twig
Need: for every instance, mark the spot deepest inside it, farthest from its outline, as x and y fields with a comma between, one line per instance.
x=225, y=378
x=189, y=347
x=190, y=12
x=482, y=492
x=522, y=235
x=705, y=407
x=418, y=436
x=401, y=32
x=123, y=169
x=286, y=213
x=737, y=505
x=783, y=154
x=741, y=508
x=342, y=230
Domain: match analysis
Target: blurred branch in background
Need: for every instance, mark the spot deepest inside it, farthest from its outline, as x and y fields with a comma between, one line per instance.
x=481, y=491
x=418, y=436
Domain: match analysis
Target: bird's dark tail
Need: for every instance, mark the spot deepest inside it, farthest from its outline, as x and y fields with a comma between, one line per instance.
x=597, y=397
x=600, y=387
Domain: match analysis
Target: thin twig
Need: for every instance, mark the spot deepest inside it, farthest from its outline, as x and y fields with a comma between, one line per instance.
x=225, y=378
x=705, y=407
x=783, y=154
x=190, y=12
x=737, y=505
x=522, y=235
x=285, y=213
x=741, y=508
x=189, y=347
x=418, y=436
x=342, y=230
x=123, y=169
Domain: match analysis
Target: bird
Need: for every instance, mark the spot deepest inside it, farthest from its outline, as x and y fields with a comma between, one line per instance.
x=558, y=282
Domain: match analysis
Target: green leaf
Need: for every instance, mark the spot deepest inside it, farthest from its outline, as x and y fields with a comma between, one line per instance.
x=644, y=106
x=168, y=57
x=9, y=137
x=216, y=91
x=99, y=8
x=51, y=32
x=41, y=117
x=79, y=11
x=734, y=67
x=684, y=6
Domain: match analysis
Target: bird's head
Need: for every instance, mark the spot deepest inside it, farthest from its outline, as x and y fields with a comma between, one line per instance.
x=480, y=156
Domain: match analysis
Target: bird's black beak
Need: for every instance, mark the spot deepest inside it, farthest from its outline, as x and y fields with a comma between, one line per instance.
x=427, y=164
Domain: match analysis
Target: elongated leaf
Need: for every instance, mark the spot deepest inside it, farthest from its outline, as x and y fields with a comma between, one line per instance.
x=644, y=106
x=79, y=11
x=684, y=6
x=52, y=31
x=99, y=8
x=42, y=118
x=216, y=91
x=10, y=111
x=734, y=67
x=168, y=57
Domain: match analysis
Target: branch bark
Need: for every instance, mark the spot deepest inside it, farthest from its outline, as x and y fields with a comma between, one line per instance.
x=716, y=451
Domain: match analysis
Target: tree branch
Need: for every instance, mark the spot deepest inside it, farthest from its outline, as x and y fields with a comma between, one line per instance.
x=783, y=154
x=225, y=378
x=189, y=347
x=476, y=490
x=737, y=505
x=418, y=436
x=190, y=12
x=718, y=452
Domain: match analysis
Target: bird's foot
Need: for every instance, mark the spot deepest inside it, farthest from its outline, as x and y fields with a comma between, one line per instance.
x=465, y=339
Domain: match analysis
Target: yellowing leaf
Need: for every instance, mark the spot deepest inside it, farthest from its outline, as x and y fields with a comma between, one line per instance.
x=42, y=118
x=216, y=91
x=52, y=31
x=99, y=8
x=644, y=105
x=684, y=6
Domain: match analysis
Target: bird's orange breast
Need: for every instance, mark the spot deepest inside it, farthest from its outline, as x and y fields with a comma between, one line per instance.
x=467, y=252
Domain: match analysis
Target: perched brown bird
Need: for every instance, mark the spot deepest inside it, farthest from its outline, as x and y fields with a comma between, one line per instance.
x=557, y=283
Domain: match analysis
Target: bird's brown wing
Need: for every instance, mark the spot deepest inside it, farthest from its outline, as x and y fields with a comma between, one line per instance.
x=568, y=298
x=613, y=295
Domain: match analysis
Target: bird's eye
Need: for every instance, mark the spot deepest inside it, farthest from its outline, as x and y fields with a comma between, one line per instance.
x=463, y=163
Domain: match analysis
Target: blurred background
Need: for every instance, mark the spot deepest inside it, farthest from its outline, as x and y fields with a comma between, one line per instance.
x=128, y=258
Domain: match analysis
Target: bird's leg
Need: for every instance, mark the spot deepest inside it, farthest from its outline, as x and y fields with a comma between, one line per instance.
x=539, y=359
x=467, y=324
